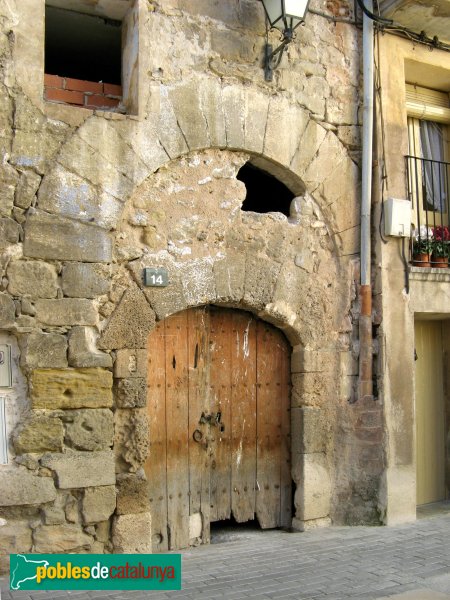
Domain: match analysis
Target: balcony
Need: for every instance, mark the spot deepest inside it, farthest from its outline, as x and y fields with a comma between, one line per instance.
x=428, y=190
x=431, y=16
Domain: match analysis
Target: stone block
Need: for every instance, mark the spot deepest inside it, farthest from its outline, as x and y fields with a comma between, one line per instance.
x=38, y=434
x=43, y=350
x=83, y=349
x=168, y=128
x=66, y=311
x=221, y=11
x=90, y=429
x=260, y=279
x=234, y=110
x=36, y=148
x=286, y=125
x=132, y=534
x=130, y=393
x=211, y=106
x=15, y=537
x=61, y=539
x=313, y=361
x=330, y=152
x=72, y=509
x=54, y=514
x=143, y=137
x=9, y=232
x=132, y=439
x=19, y=487
x=102, y=531
x=98, y=504
x=233, y=46
x=198, y=282
x=308, y=430
x=6, y=199
x=313, y=495
x=349, y=363
x=71, y=388
x=79, y=157
x=85, y=280
x=65, y=194
x=53, y=237
x=132, y=494
x=112, y=143
x=257, y=107
x=130, y=363
x=7, y=311
x=189, y=115
x=32, y=278
x=230, y=277
x=130, y=323
x=9, y=178
x=82, y=469
x=314, y=385
x=311, y=141
x=26, y=190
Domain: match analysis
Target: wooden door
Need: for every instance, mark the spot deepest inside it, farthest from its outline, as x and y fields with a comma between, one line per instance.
x=219, y=414
x=430, y=413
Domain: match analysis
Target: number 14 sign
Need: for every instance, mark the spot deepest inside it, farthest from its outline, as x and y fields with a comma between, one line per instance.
x=156, y=277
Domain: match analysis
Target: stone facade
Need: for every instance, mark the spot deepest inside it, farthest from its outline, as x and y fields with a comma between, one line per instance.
x=91, y=198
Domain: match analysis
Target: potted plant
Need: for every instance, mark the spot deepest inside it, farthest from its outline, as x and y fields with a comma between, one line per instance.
x=422, y=246
x=440, y=247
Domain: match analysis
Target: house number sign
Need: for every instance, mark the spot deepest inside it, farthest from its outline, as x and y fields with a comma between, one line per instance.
x=156, y=277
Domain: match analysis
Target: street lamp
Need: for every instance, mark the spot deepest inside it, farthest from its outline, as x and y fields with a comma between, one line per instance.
x=285, y=15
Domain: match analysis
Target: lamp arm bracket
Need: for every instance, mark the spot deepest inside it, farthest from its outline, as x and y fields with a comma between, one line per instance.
x=271, y=60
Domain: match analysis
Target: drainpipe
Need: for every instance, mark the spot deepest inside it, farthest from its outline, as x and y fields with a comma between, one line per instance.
x=365, y=291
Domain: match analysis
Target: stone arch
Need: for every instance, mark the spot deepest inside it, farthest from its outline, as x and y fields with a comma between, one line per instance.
x=106, y=158
x=264, y=266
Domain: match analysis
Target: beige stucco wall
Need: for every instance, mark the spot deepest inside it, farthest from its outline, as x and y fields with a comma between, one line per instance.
x=402, y=61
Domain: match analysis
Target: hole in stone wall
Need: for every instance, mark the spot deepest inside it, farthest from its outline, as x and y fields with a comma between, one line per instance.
x=265, y=193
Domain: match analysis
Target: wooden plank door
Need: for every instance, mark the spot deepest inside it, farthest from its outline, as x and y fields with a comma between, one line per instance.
x=430, y=413
x=219, y=414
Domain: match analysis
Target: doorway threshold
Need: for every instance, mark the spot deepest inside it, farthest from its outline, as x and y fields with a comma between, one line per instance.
x=434, y=509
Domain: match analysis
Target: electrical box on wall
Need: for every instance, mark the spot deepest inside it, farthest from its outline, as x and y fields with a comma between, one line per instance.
x=5, y=366
x=397, y=217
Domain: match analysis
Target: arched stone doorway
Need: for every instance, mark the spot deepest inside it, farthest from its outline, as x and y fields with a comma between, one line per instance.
x=219, y=417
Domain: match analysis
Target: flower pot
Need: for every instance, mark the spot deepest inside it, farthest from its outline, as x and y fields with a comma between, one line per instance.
x=421, y=260
x=439, y=262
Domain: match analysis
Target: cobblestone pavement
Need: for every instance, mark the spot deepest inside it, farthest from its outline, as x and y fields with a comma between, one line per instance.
x=408, y=562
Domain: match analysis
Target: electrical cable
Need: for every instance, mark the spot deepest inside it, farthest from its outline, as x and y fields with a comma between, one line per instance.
x=372, y=16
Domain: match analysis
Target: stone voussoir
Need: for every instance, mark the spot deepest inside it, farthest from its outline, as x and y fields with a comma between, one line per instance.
x=130, y=393
x=130, y=324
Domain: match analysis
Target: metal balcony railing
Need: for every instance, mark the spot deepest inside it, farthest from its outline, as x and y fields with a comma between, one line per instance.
x=428, y=190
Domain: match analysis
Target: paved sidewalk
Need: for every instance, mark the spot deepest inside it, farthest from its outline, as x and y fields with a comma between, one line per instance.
x=408, y=562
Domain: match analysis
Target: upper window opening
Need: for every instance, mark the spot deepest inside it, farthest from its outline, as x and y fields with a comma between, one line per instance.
x=264, y=192
x=92, y=60
x=82, y=46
